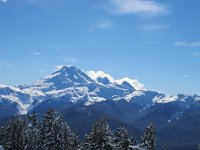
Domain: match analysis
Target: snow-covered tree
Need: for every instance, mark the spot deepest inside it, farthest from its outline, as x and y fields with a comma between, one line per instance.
x=121, y=140
x=100, y=137
x=32, y=133
x=70, y=139
x=148, y=139
x=132, y=141
x=14, y=135
x=53, y=133
x=2, y=135
x=56, y=134
x=50, y=132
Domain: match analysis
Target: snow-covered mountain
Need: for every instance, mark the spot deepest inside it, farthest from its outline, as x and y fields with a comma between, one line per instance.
x=74, y=85
x=84, y=96
x=13, y=95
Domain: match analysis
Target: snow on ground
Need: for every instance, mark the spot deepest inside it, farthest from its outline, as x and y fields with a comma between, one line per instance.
x=133, y=94
x=99, y=74
x=92, y=100
x=165, y=99
x=133, y=83
x=1, y=147
x=52, y=75
x=33, y=92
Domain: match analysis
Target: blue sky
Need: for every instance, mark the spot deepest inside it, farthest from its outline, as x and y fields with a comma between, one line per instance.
x=154, y=41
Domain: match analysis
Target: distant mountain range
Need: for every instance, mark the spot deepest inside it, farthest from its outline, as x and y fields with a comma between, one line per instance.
x=83, y=97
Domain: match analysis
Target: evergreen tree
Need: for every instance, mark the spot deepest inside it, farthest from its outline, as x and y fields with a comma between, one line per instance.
x=70, y=139
x=14, y=135
x=56, y=134
x=132, y=141
x=121, y=139
x=49, y=132
x=148, y=140
x=100, y=137
x=2, y=136
x=32, y=133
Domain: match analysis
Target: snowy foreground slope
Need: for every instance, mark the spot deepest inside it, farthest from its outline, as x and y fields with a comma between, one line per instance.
x=84, y=96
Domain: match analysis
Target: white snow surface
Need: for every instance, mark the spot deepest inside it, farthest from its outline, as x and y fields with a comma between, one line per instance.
x=100, y=74
x=52, y=75
x=23, y=108
x=11, y=87
x=197, y=98
x=133, y=82
x=133, y=94
x=92, y=100
x=165, y=99
x=13, y=94
x=130, y=96
x=33, y=92
x=1, y=147
x=72, y=84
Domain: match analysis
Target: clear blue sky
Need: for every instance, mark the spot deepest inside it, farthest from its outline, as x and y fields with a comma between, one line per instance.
x=154, y=41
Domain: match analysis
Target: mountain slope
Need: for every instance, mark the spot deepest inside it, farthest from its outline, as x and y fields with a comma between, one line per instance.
x=82, y=97
x=73, y=84
x=17, y=100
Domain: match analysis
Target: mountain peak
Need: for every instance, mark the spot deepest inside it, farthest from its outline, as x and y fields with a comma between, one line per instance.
x=64, y=77
x=131, y=82
x=68, y=68
x=65, y=72
x=100, y=77
x=72, y=74
x=105, y=78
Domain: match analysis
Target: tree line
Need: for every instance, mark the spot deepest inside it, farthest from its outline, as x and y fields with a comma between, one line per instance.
x=53, y=133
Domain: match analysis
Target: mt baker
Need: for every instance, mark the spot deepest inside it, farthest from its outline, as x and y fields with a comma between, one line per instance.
x=83, y=97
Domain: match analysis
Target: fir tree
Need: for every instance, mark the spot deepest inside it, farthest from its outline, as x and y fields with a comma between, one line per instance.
x=148, y=140
x=121, y=139
x=132, y=141
x=49, y=131
x=32, y=133
x=15, y=135
x=56, y=134
x=100, y=137
x=2, y=136
x=71, y=141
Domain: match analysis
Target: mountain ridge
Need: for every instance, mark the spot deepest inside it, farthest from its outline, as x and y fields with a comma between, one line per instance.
x=82, y=98
x=72, y=83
